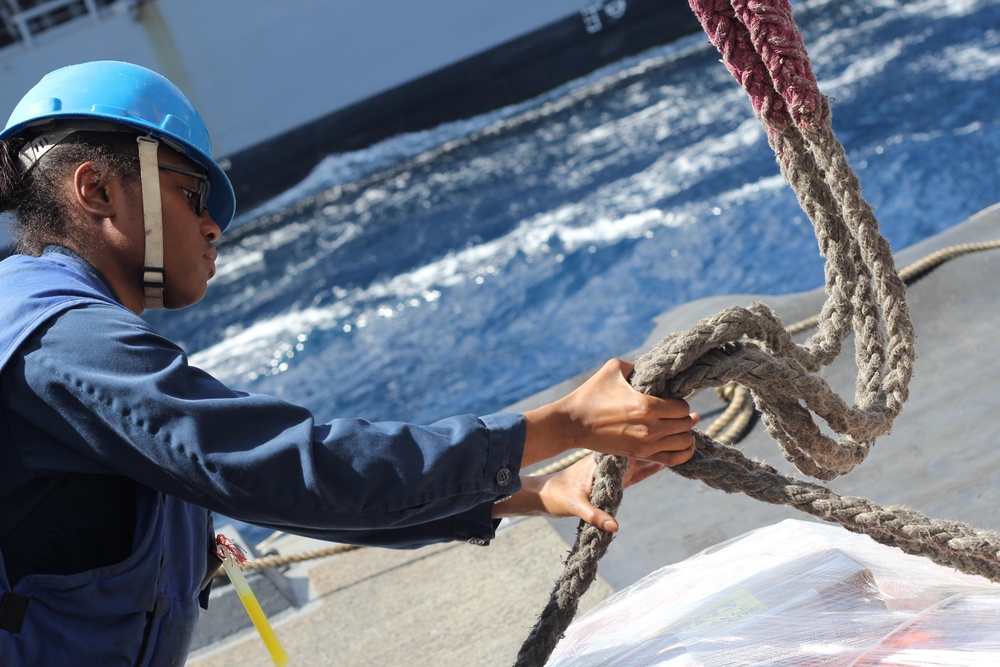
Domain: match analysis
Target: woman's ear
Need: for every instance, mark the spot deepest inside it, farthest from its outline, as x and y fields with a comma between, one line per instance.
x=94, y=190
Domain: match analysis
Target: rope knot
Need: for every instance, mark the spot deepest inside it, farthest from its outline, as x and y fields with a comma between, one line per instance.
x=763, y=49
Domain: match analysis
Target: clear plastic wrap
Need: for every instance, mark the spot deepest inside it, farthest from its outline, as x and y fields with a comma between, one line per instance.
x=798, y=594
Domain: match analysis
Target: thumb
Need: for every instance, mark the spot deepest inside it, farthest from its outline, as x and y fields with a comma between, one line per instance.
x=599, y=519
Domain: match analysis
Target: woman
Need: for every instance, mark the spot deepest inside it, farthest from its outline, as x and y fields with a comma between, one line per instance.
x=115, y=450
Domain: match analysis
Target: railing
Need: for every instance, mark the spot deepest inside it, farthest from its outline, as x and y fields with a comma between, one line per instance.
x=22, y=20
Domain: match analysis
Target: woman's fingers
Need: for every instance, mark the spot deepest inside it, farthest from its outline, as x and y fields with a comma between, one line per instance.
x=639, y=470
x=674, y=457
x=606, y=414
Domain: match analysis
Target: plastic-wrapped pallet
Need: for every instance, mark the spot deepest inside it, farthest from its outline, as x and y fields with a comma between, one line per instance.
x=793, y=594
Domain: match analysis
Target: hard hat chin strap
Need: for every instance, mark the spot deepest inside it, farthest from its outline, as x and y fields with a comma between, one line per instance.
x=154, y=277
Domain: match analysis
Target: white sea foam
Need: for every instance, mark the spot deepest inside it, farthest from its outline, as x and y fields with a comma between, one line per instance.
x=349, y=167
x=692, y=133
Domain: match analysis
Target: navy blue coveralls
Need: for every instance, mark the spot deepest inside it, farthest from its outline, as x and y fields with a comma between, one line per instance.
x=113, y=451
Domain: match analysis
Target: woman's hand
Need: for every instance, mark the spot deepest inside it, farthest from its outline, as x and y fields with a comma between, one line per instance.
x=567, y=493
x=605, y=414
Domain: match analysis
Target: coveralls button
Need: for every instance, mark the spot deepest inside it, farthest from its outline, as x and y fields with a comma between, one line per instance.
x=504, y=476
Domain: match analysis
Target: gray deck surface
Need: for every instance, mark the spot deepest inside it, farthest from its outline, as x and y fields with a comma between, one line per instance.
x=458, y=605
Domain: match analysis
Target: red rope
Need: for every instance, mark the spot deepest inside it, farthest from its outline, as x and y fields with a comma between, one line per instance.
x=763, y=49
x=228, y=548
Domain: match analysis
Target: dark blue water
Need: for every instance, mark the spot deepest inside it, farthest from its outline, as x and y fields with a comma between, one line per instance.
x=469, y=266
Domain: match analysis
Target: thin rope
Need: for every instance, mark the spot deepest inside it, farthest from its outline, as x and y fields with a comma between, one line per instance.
x=763, y=49
x=729, y=427
x=266, y=562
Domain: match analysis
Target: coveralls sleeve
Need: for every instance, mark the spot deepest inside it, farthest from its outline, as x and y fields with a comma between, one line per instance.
x=102, y=392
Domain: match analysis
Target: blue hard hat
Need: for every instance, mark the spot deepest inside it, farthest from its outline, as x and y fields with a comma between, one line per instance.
x=129, y=95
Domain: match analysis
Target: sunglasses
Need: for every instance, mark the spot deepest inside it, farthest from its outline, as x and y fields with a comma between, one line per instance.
x=204, y=187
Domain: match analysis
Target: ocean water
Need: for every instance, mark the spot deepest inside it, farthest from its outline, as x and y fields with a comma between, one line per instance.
x=466, y=267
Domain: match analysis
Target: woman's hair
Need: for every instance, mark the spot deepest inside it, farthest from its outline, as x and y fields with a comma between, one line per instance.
x=39, y=198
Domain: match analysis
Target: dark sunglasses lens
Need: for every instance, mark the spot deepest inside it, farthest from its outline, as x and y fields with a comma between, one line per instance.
x=203, y=192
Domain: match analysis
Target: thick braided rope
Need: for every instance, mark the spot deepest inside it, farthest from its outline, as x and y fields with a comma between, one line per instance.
x=728, y=427
x=763, y=49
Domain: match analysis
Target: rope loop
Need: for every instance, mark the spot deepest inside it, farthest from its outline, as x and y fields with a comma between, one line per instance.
x=763, y=49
